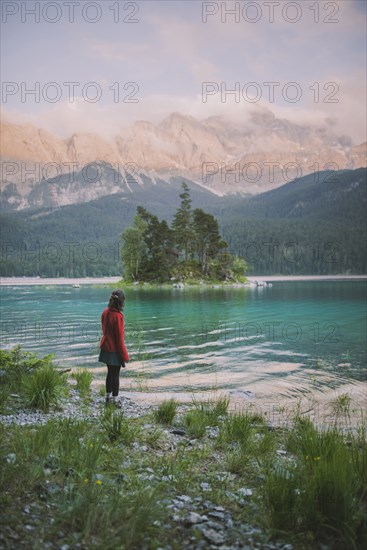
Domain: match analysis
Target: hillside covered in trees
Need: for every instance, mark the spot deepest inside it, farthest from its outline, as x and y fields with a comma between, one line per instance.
x=315, y=225
x=191, y=248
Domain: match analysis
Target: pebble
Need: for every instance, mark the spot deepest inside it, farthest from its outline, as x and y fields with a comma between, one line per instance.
x=244, y=492
x=74, y=408
x=11, y=458
x=170, y=477
x=185, y=498
x=212, y=432
x=53, y=488
x=216, y=515
x=193, y=518
x=213, y=536
x=178, y=432
x=226, y=476
x=214, y=525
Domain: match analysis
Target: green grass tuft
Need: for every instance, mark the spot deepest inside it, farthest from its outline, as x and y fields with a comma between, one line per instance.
x=83, y=379
x=118, y=428
x=166, y=411
x=44, y=388
x=325, y=491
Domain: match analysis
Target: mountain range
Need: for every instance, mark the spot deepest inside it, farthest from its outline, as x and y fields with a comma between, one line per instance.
x=84, y=191
x=223, y=156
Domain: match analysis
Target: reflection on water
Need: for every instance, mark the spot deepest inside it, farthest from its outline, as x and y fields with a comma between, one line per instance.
x=301, y=335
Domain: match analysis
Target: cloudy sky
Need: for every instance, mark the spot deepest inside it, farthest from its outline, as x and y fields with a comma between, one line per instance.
x=127, y=61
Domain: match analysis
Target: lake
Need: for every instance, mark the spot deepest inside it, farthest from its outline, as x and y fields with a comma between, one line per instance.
x=302, y=334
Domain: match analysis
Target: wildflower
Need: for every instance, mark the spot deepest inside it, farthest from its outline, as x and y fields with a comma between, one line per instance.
x=316, y=458
x=98, y=482
x=86, y=481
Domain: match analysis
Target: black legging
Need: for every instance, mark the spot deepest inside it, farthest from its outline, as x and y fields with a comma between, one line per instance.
x=113, y=379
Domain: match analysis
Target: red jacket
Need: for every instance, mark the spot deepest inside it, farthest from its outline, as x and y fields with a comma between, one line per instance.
x=113, y=332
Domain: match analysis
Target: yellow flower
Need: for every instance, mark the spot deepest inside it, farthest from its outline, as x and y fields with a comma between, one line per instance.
x=316, y=458
x=86, y=481
x=98, y=482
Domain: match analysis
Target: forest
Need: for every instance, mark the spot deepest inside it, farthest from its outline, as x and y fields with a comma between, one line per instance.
x=312, y=226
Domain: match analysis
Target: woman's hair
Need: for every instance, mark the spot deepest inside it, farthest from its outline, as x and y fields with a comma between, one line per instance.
x=117, y=300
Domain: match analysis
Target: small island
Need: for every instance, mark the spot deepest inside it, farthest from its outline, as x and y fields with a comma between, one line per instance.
x=191, y=250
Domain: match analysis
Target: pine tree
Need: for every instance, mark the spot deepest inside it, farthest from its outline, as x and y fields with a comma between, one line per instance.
x=208, y=242
x=182, y=223
x=158, y=240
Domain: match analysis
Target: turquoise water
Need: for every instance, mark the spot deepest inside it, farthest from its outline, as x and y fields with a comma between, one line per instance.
x=231, y=338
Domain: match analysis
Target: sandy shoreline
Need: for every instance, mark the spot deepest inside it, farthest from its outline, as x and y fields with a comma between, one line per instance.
x=319, y=406
x=37, y=281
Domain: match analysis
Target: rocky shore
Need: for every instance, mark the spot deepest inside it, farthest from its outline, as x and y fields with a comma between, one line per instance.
x=218, y=528
x=212, y=506
x=32, y=281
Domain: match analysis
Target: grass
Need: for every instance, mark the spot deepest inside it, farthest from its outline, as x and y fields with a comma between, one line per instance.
x=237, y=461
x=195, y=424
x=108, y=481
x=44, y=388
x=166, y=411
x=121, y=521
x=203, y=415
x=324, y=491
x=118, y=428
x=83, y=379
x=18, y=364
x=34, y=380
x=238, y=428
x=89, y=481
x=341, y=404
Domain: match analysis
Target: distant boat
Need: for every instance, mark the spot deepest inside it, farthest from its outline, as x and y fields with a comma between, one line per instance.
x=76, y=285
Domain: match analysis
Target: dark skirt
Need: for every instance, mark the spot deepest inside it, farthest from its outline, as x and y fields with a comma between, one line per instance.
x=111, y=358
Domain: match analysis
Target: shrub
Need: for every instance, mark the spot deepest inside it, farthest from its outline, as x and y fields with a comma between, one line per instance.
x=18, y=363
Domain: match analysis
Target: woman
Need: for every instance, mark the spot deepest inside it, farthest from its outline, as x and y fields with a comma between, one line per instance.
x=113, y=351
